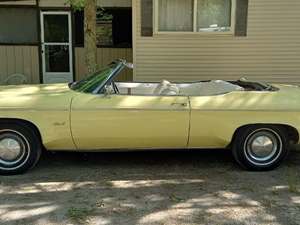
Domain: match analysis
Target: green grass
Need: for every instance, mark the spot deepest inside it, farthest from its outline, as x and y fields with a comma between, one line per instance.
x=293, y=182
x=79, y=215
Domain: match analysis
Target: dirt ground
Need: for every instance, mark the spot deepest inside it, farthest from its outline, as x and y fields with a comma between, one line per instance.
x=187, y=187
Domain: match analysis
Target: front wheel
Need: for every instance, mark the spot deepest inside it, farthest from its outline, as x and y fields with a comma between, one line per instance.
x=20, y=148
x=260, y=148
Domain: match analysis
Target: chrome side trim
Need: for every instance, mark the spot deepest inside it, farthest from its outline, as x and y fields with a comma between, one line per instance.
x=130, y=109
x=245, y=110
x=34, y=109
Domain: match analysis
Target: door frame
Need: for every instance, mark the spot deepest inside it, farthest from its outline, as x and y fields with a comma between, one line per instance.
x=70, y=44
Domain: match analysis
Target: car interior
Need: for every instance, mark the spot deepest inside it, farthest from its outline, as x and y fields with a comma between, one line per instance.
x=166, y=88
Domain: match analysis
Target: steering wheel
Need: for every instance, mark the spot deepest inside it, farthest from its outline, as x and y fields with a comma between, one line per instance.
x=115, y=87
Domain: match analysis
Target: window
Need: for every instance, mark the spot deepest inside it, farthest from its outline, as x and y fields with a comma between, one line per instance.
x=18, y=26
x=104, y=28
x=113, y=28
x=194, y=15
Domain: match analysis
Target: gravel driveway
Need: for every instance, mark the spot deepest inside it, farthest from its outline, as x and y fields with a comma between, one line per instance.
x=194, y=187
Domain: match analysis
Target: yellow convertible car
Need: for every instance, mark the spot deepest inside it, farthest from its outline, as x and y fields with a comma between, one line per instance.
x=257, y=121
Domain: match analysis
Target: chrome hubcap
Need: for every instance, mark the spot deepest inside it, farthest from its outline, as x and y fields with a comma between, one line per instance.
x=11, y=151
x=263, y=147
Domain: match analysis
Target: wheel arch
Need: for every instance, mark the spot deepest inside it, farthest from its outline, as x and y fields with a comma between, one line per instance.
x=292, y=132
x=24, y=122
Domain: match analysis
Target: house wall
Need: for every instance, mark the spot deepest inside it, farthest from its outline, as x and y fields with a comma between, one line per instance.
x=26, y=2
x=103, y=3
x=64, y=3
x=270, y=52
x=25, y=59
x=114, y=3
x=19, y=59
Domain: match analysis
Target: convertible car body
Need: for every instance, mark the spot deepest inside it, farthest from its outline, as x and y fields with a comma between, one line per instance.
x=257, y=121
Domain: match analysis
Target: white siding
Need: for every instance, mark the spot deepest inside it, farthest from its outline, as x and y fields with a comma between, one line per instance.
x=270, y=52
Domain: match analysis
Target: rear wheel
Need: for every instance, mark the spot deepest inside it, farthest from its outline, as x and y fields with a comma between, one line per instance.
x=260, y=147
x=20, y=148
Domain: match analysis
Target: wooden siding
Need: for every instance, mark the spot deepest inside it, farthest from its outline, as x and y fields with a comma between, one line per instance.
x=270, y=52
x=104, y=57
x=64, y=3
x=54, y=3
x=114, y=3
x=19, y=59
x=103, y=3
x=29, y=2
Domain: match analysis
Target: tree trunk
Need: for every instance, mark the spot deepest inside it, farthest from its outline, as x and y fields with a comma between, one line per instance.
x=90, y=43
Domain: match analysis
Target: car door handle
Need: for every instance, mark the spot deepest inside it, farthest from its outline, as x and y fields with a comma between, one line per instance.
x=183, y=104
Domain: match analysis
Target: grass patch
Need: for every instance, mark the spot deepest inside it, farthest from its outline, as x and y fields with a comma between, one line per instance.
x=79, y=215
x=268, y=202
x=275, y=192
x=293, y=182
x=175, y=198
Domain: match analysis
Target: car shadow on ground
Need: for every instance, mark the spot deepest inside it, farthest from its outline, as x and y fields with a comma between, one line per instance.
x=162, y=187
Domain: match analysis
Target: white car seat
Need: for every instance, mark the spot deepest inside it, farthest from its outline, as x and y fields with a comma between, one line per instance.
x=166, y=88
x=214, y=87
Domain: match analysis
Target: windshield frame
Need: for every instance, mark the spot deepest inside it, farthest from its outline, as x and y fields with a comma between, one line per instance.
x=117, y=68
x=100, y=89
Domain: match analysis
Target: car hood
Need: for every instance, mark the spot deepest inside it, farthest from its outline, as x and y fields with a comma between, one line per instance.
x=36, y=96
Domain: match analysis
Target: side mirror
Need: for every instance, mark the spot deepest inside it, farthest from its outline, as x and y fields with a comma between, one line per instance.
x=105, y=91
x=108, y=90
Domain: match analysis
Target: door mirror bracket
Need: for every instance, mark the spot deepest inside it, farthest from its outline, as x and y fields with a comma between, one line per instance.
x=107, y=90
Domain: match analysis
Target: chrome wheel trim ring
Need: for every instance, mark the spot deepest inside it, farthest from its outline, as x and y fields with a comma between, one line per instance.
x=261, y=142
x=9, y=165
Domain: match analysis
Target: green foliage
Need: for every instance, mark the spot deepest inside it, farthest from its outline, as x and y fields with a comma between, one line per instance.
x=79, y=215
x=103, y=15
x=76, y=4
x=292, y=183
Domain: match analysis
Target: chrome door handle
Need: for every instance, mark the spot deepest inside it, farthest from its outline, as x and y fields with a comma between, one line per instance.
x=183, y=104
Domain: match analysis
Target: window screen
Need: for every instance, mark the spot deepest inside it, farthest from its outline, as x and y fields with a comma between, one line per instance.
x=214, y=15
x=18, y=26
x=176, y=15
x=114, y=28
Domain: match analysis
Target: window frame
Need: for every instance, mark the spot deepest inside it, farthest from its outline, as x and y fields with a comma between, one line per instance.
x=194, y=32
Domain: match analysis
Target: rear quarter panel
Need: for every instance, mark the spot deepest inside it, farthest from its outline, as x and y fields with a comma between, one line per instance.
x=214, y=119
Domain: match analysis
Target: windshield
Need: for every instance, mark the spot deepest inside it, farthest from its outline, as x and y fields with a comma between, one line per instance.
x=91, y=82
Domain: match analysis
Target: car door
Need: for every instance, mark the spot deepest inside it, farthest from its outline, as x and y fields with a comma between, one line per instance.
x=129, y=122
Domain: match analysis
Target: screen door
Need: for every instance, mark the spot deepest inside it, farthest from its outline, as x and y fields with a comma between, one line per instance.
x=56, y=47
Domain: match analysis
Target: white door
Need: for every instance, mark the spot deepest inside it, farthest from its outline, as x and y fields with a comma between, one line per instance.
x=56, y=37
